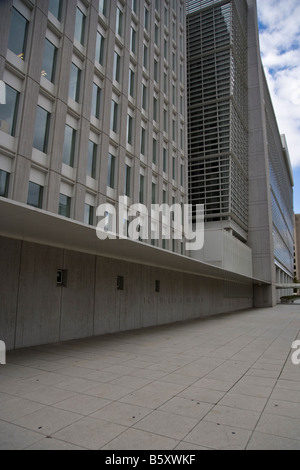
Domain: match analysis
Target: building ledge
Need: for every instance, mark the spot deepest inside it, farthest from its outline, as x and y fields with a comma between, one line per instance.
x=23, y=222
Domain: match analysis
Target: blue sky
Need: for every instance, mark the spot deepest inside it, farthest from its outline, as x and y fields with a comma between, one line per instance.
x=279, y=23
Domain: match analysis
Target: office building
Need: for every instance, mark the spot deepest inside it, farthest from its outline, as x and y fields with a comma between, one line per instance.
x=239, y=165
x=96, y=110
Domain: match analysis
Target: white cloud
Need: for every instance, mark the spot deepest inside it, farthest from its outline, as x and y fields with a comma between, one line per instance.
x=280, y=48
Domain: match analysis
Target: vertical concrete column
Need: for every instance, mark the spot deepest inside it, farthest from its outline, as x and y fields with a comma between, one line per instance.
x=260, y=216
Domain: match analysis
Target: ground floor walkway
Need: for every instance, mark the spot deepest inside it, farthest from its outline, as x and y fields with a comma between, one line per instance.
x=225, y=382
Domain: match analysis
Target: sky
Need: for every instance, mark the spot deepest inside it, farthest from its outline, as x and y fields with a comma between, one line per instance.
x=279, y=25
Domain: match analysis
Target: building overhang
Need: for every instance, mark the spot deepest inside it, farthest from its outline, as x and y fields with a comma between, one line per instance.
x=22, y=222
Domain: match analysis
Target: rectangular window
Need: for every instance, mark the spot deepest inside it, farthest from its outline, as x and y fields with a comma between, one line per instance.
x=117, y=67
x=155, y=109
x=144, y=97
x=154, y=152
x=165, y=160
x=96, y=101
x=49, y=61
x=181, y=175
x=165, y=83
x=4, y=182
x=142, y=189
x=69, y=146
x=156, y=35
x=153, y=193
x=41, y=132
x=119, y=24
x=131, y=83
x=103, y=7
x=127, y=185
x=145, y=56
x=18, y=34
x=74, y=86
x=35, y=195
x=64, y=207
x=55, y=8
x=88, y=214
x=92, y=159
x=9, y=111
x=134, y=6
x=146, y=18
x=114, y=116
x=174, y=169
x=80, y=26
x=143, y=141
x=165, y=120
x=99, y=54
x=133, y=40
x=129, y=129
x=111, y=171
x=156, y=70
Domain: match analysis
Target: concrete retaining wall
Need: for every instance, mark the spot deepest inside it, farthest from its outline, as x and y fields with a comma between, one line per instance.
x=34, y=310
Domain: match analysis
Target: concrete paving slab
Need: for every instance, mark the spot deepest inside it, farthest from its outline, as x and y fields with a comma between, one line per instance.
x=159, y=388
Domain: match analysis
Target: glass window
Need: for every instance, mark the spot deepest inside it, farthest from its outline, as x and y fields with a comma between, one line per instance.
x=92, y=159
x=41, y=132
x=154, y=151
x=99, y=55
x=35, y=195
x=155, y=109
x=55, y=8
x=127, y=180
x=117, y=67
x=4, y=182
x=134, y=6
x=88, y=214
x=74, y=87
x=174, y=169
x=9, y=111
x=64, y=207
x=156, y=70
x=80, y=26
x=111, y=171
x=153, y=193
x=156, y=35
x=133, y=40
x=49, y=61
x=96, y=101
x=165, y=120
x=114, y=116
x=145, y=56
x=146, y=18
x=165, y=160
x=18, y=34
x=129, y=129
x=143, y=141
x=131, y=83
x=142, y=189
x=69, y=146
x=119, y=24
x=103, y=7
x=144, y=97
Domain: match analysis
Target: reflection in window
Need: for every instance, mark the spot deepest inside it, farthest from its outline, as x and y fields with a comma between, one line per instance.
x=35, y=195
x=49, y=61
x=99, y=54
x=64, y=207
x=111, y=171
x=96, y=101
x=18, y=34
x=69, y=146
x=55, y=8
x=74, y=87
x=80, y=26
x=92, y=158
x=41, y=132
x=4, y=182
x=9, y=111
x=88, y=214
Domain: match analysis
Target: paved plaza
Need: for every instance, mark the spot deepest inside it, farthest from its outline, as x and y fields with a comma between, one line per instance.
x=225, y=382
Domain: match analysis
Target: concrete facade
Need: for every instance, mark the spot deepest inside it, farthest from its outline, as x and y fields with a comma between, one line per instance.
x=41, y=312
x=297, y=246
